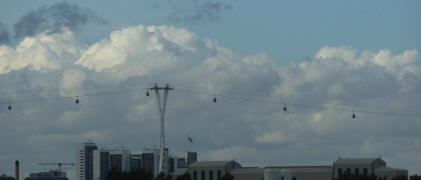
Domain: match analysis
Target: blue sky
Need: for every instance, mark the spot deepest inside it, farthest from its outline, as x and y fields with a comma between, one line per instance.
x=286, y=30
x=338, y=56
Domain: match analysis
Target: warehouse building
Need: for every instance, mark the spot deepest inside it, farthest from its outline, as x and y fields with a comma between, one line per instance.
x=212, y=170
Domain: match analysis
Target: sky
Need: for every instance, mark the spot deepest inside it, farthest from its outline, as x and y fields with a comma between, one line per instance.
x=323, y=60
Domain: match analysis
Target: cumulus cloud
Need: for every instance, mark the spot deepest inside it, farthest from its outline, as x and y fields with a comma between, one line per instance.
x=44, y=52
x=54, y=18
x=4, y=34
x=251, y=128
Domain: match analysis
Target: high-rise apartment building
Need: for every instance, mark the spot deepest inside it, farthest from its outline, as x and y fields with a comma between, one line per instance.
x=101, y=164
x=191, y=157
x=150, y=160
x=135, y=161
x=105, y=160
x=175, y=163
x=84, y=160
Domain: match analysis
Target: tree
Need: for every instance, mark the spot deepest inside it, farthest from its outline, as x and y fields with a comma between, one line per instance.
x=349, y=176
x=400, y=178
x=114, y=174
x=415, y=177
x=185, y=176
x=163, y=176
x=227, y=176
x=138, y=174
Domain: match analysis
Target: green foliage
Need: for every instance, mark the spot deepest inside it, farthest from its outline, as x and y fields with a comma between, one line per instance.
x=163, y=176
x=185, y=176
x=348, y=176
x=227, y=176
x=400, y=178
x=138, y=174
x=415, y=177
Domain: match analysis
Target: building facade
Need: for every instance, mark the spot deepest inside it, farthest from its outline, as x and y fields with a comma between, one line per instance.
x=51, y=175
x=5, y=177
x=150, y=160
x=191, y=157
x=101, y=164
x=365, y=167
x=135, y=161
x=84, y=160
x=105, y=160
x=211, y=170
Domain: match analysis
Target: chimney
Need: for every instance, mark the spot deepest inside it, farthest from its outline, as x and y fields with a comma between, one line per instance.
x=17, y=170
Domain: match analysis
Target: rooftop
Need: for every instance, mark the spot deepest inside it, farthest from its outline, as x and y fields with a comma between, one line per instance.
x=303, y=168
x=388, y=169
x=355, y=160
x=209, y=163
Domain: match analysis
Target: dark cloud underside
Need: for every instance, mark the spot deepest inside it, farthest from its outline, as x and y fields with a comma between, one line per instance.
x=198, y=12
x=53, y=18
x=4, y=34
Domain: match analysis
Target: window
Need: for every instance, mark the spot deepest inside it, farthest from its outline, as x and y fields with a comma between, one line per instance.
x=357, y=171
x=348, y=170
x=339, y=171
x=365, y=172
x=210, y=175
x=282, y=178
x=219, y=174
x=202, y=175
x=194, y=175
x=294, y=178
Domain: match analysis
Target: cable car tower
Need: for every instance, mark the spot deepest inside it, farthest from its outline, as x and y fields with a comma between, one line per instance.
x=161, y=110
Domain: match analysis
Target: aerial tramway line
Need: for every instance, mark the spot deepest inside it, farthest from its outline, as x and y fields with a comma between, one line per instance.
x=214, y=99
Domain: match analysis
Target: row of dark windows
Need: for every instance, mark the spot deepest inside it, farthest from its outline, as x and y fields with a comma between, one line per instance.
x=203, y=175
x=356, y=171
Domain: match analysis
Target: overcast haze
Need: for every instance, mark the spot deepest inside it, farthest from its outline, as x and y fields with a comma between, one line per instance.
x=323, y=60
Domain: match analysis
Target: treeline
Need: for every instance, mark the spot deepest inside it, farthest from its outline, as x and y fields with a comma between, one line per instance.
x=142, y=174
x=348, y=176
x=415, y=177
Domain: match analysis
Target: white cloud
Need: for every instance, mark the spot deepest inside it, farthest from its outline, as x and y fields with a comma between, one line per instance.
x=273, y=137
x=44, y=52
x=336, y=78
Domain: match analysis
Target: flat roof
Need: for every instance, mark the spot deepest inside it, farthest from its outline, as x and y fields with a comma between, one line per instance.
x=248, y=170
x=303, y=168
x=355, y=160
x=209, y=163
x=382, y=169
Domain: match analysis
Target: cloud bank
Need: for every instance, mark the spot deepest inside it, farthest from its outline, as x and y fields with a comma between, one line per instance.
x=53, y=66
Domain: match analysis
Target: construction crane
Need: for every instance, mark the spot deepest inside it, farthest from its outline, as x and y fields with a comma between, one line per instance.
x=58, y=164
